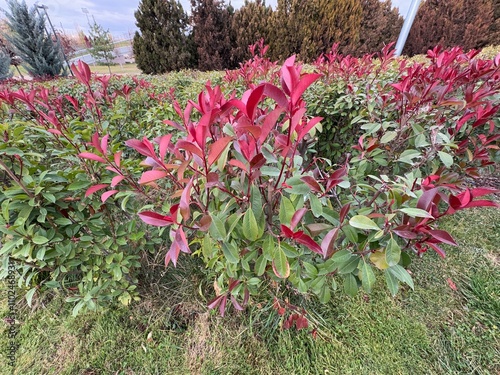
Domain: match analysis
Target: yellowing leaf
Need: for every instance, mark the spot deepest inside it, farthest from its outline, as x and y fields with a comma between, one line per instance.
x=378, y=259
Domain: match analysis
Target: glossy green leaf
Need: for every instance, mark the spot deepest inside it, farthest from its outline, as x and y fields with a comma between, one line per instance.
x=401, y=274
x=281, y=267
x=416, y=212
x=392, y=283
x=367, y=276
x=392, y=252
x=363, y=222
x=250, y=228
x=350, y=285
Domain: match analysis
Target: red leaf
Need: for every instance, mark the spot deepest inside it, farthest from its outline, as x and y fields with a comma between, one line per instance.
x=164, y=142
x=304, y=239
x=104, y=144
x=312, y=183
x=442, y=236
x=344, y=211
x=222, y=306
x=239, y=164
x=479, y=192
x=276, y=94
x=150, y=176
x=257, y=161
x=235, y=303
x=91, y=190
x=311, y=124
x=215, y=302
x=116, y=180
x=482, y=203
x=328, y=243
x=106, y=195
x=91, y=156
x=217, y=148
x=305, y=81
x=451, y=284
x=153, y=218
x=437, y=249
x=189, y=146
x=270, y=123
x=297, y=217
x=184, y=202
x=287, y=232
x=181, y=240
x=405, y=232
x=173, y=254
x=425, y=201
x=117, y=157
x=253, y=100
x=143, y=147
x=301, y=323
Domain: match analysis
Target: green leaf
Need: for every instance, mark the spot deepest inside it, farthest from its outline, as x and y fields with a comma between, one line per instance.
x=250, y=227
x=392, y=283
x=367, y=276
x=77, y=308
x=256, y=201
x=281, y=267
x=268, y=248
x=231, y=252
x=260, y=265
x=40, y=240
x=388, y=136
x=447, y=159
x=350, y=285
x=217, y=229
x=324, y=295
x=63, y=221
x=341, y=256
x=348, y=266
x=316, y=206
x=408, y=155
x=401, y=274
x=287, y=210
x=77, y=185
x=363, y=222
x=416, y=212
x=392, y=253
x=29, y=296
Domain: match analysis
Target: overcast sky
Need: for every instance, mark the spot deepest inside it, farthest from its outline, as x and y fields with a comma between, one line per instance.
x=118, y=16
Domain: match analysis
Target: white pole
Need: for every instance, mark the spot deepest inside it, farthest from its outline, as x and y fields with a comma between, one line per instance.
x=405, y=30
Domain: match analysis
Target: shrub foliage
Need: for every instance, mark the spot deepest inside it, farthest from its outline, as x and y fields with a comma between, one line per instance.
x=91, y=186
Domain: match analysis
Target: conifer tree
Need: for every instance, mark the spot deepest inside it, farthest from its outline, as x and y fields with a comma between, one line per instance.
x=211, y=20
x=5, y=72
x=380, y=25
x=101, y=45
x=29, y=40
x=162, y=44
x=250, y=23
x=448, y=23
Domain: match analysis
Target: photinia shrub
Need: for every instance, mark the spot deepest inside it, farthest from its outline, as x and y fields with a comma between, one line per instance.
x=248, y=196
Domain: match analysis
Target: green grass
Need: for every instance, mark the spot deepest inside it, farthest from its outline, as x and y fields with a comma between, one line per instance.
x=432, y=330
x=129, y=69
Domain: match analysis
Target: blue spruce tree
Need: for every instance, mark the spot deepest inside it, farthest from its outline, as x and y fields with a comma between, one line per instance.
x=29, y=39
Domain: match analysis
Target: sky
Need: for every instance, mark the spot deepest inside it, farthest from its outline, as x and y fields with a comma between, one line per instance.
x=118, y=16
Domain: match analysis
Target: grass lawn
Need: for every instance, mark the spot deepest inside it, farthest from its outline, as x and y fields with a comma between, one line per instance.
x=432, y=330
x=129, y=69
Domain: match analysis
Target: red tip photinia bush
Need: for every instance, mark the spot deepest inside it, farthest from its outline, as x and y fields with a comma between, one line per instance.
x=247, y=195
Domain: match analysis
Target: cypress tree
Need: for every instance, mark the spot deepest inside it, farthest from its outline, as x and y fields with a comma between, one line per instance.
x=250, y=23
x=380, y=25
x=211, y=21
x=448, y=23
x=29, y=39
x=162, y=45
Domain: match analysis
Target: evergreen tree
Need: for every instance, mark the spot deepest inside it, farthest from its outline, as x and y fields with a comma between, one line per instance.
x=211, y=21
x=312, y=27
x=163, y=44
x=5, y=72
x=28, y=38
x=101, y=45
x=250, y=23
x=380, y=25
x=448, y=23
